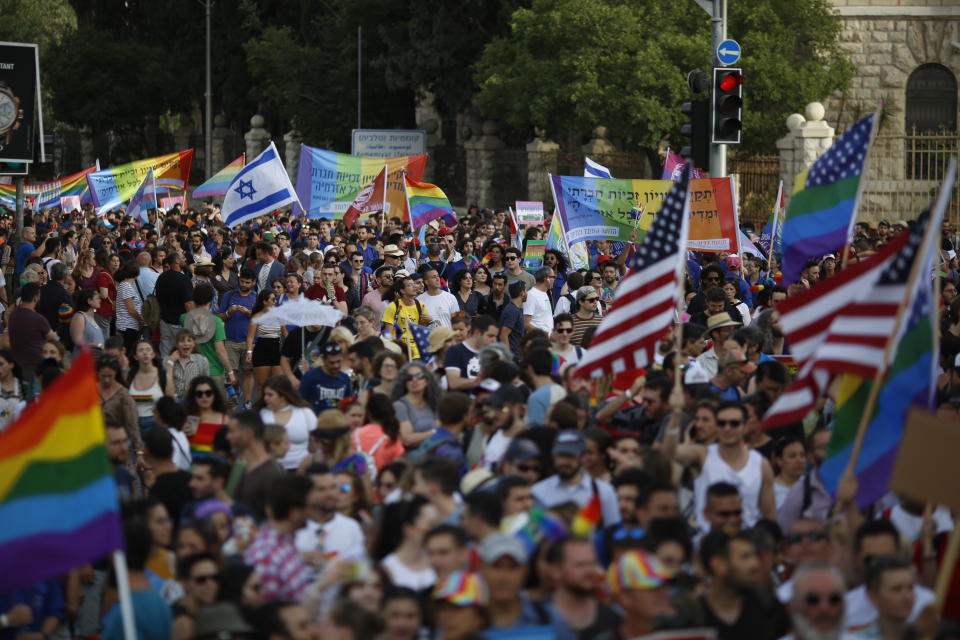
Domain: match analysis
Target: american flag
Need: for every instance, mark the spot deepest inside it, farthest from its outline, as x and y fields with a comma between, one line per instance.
x=858, y=334
x=421, y=335
x=646, y=299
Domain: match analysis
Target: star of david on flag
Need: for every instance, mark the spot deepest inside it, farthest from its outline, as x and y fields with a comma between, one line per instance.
x=257, y=189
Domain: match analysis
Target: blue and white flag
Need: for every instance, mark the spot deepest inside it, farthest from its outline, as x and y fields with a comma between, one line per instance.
x=144, y=199
x=747, y=246
x=593, y=169
x=421, y=335
x=259, y=188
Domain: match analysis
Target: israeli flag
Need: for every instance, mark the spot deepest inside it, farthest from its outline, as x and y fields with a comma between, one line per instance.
x=593, y=169
x=259, y=188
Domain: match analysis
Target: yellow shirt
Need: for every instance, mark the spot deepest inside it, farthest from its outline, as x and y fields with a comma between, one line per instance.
x=397, y=313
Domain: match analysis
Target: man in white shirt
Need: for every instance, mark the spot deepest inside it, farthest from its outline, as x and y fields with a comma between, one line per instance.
x=572, y=484
x=328, y=535
x=537, y=310
x=440, y=304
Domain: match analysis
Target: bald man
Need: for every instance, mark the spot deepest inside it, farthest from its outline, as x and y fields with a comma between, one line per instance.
x=147, y=279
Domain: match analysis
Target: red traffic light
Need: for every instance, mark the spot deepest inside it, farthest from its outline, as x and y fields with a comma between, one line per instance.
x=730, y=81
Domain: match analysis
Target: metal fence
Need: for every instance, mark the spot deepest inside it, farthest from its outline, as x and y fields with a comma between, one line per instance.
x=758, y=177
x=904, y=173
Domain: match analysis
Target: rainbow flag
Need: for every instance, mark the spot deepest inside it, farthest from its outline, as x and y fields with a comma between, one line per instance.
x=218, y=183
x=144, y=199
x=328, y=182
x=58, y=498
x=588, y=517
x=110, y=188
x=910, y=382
x=46, y=195
x=427, y=202
x=826, y=198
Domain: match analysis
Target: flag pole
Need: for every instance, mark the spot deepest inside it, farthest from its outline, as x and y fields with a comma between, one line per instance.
x=947, y=567
x=916, y=270
x=123, y=590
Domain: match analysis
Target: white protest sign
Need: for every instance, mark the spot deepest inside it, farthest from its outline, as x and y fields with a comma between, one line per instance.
x=529, y=212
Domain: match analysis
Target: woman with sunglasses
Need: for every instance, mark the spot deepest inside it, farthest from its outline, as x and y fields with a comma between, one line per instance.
x=206, y=414
x=461, y=286
x=586, y=316
x=560, y=345
x=281, y=404
x=415, y=396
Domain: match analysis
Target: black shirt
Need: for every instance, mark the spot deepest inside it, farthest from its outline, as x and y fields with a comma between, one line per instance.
x=173, y=490
x=762, y=617
x=173, y=291
x=292, y=349
x=52, y=295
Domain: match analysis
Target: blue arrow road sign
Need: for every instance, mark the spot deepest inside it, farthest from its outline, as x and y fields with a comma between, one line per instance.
x=728, y=52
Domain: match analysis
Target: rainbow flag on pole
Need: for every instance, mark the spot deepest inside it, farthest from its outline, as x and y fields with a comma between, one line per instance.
x=58, y=498
x=218, y=183
x=427, y=203
x=826, y=198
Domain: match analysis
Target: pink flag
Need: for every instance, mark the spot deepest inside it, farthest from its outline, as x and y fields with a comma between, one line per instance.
x=672, y=165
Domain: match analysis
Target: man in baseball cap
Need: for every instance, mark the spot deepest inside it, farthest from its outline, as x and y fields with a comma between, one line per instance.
x=503, y=566
x=638, y=583
x=571, y=483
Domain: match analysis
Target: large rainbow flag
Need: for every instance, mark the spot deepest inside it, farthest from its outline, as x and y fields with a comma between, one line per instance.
x=112, y=187
x=427, y=203
x=825, y=201
x=46, y=195
x=328, y=182
x=58, y=498
x=218, y=183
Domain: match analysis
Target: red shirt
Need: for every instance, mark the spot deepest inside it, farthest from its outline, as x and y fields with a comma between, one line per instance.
x=103, y=279
x=319, y=292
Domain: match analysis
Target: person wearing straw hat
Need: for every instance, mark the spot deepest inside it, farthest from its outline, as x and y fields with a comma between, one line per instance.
x=719, y=328
x=638, y=584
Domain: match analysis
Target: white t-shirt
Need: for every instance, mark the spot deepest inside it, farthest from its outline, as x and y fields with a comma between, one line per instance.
x=342, y=537
x=302, y=421
x=403, y=576
x=440, y=307
x=911, y=526
x=538, y=306
x=496, y=447
x=181, y=450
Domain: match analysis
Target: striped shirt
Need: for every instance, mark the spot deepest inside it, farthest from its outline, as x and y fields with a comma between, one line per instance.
x=275, y=558
x=580, y=327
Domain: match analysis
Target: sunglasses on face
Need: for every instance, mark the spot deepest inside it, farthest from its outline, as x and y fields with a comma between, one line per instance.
x=203, y=393
x=712, y=279
x=733, y=513
x=729, y=423
x=417, y=376
x=812, y=536
x=206, y=578
x=568, y=330
x=834, y=599
x=529, y=468
x=591, y=300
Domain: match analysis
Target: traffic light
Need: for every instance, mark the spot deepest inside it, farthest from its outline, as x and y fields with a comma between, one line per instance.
x=697, y=128
x=727, y=105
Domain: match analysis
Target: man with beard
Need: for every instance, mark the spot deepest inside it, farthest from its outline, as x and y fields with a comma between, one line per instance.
x=574, y=568
x=572, y=484
x=734, y=604
x=118, y=451
x=327, y=533
x=817, y=608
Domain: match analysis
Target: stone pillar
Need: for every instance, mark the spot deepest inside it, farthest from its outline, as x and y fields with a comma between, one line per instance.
x=431, y=127
x=292, y=141
x=808, y=139
x=257, y=138
x=181, y=137
x=480, y=165
x=221, y=133
x=541, y=160
x=599, y=146
x=87, y=153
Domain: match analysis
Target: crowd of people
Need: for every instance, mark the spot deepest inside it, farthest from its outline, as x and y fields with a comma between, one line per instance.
x=432, y=466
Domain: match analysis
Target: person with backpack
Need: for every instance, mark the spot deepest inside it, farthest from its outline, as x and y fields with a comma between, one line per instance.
x=402, y=310
x=209, y=332
x=379, y=439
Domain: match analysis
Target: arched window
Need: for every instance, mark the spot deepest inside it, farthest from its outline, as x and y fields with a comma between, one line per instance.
x=931, y=99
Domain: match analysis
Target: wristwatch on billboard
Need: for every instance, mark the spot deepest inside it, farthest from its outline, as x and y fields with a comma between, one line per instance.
x=11, y=115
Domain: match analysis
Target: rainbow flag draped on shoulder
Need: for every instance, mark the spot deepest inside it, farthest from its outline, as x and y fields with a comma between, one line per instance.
x=58, y=498
x=427, y=203
x=219, y=182
x=825, y=200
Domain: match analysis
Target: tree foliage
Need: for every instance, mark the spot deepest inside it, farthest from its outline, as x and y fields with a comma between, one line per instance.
x=569, y=65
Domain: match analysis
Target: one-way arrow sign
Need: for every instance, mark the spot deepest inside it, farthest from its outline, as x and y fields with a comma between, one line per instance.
x=728, y=52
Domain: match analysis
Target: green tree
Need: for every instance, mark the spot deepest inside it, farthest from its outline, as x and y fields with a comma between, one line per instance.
x=569, y=65
x=45, y=22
